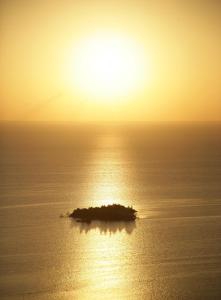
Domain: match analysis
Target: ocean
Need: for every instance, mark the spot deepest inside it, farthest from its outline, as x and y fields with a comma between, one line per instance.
x=169, y=172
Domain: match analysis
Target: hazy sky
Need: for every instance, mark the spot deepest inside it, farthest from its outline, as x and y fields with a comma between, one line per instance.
x=181, y=40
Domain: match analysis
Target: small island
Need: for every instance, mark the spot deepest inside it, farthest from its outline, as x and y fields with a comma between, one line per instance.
x=114, y=212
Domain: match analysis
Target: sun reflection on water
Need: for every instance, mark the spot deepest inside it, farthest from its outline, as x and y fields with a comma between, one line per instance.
x=104, y=266
x=103, y=263
x=108, y=174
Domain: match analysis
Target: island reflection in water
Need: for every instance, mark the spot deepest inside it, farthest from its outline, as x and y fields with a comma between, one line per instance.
x=105, y=227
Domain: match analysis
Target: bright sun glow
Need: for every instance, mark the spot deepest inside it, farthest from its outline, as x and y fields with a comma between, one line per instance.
x=107, y=67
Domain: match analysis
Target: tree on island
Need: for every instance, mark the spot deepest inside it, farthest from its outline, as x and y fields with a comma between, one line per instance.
x=114, y=212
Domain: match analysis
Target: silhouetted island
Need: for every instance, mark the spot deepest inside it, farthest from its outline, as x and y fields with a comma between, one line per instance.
x=114, y=212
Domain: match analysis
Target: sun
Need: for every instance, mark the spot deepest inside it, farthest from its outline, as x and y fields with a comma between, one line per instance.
x=107, y=67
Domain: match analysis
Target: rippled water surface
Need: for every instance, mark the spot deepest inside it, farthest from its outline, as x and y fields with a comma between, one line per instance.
x=171, y=173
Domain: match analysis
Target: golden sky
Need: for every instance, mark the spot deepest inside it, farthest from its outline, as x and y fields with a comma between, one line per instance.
x=167, y=64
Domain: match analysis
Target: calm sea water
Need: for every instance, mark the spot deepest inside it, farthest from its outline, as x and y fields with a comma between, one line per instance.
x=170, y=173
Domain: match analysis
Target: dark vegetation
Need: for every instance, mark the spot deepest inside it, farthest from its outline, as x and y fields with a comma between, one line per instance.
x=114, y=212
